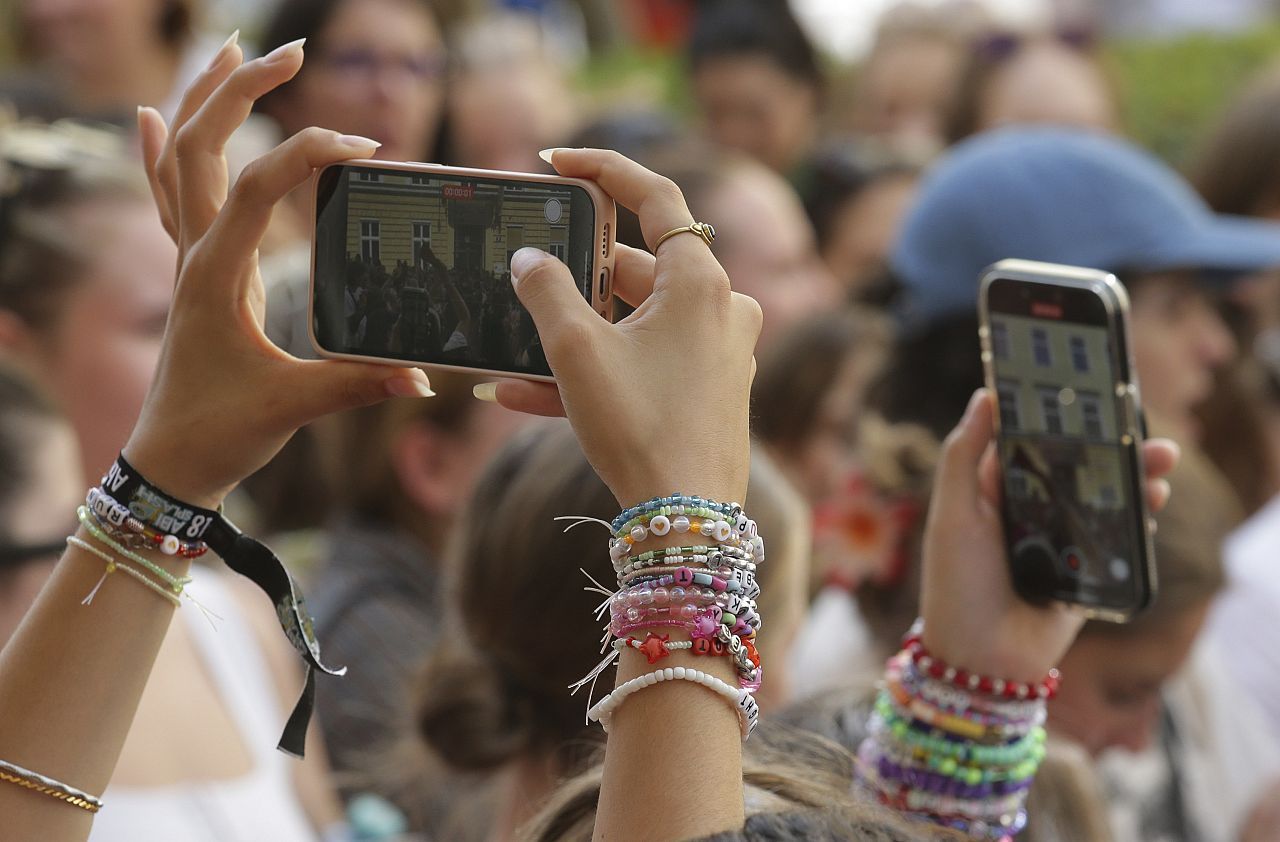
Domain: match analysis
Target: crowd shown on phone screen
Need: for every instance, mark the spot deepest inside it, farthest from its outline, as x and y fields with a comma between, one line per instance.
x=857, y=194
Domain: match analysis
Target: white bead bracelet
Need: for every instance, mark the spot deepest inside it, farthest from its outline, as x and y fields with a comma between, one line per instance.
x=744, y=704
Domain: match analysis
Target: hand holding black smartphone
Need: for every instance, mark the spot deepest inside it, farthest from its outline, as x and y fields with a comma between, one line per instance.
x=411, y=263
x=1056, y=354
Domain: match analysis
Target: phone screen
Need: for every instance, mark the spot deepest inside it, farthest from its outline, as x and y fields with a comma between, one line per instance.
x=1072, y=515
x=416, y=265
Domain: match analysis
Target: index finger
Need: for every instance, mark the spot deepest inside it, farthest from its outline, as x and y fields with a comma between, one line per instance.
x=654, y=198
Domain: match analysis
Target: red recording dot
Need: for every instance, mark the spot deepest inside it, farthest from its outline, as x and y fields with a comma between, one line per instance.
x=1073, y=561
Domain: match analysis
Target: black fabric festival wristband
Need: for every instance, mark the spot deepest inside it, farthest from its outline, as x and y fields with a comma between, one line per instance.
x=244, y=555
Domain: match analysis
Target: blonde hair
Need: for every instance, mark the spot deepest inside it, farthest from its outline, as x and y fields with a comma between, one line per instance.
x=48, y=172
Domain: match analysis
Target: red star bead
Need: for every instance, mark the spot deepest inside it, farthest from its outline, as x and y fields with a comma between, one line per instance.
x=654, y=647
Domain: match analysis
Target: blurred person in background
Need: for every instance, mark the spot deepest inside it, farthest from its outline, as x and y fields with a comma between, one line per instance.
x=1180, y=759
x=493, y=696
x=395, y=477
x=757, y=83
x=905, y=84
x=1238, y=171
x=1073, y=197
x=763, y=239
x=375, y=68
x=86, y=314
x=509, y=95
x=105, y=57
x=39, y=484
x=859, y=197
x=1011, y=78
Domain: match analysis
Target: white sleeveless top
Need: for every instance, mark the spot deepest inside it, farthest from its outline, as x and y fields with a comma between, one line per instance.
x=259, y=807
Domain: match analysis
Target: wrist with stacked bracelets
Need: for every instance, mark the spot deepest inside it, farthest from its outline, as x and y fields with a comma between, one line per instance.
x=954, y=748
x=707, y=590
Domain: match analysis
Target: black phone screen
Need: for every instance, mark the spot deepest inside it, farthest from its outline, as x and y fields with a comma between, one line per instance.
x=416, y=265
x=1073, y=522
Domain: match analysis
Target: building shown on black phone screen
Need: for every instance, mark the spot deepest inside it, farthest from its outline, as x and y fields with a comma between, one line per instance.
x=468, y=224
x=1064, y=469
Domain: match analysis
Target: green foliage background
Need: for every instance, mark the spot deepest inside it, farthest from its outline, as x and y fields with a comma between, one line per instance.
x=1171, y=91
x=1174, y=91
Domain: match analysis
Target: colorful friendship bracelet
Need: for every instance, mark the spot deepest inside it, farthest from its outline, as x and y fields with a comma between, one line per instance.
x=988, y=807
x=743, y=702
x=114, y=564
x=913, y=643
x=25, y=778
x=962, y=751
x=952, y=748
x=118, y=522
x=175, y=583
x=954, y=700
x=657, y=504
x=984, y=710
x=899, y=776
x=739, y=582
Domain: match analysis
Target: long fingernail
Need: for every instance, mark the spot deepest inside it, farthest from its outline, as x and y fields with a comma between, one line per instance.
x=974, y=402
x=524, y=260
x=546, y=154
x=284, y=51
x=358, y=142
x=224, y=49
x=487, y=392
x=400, y=387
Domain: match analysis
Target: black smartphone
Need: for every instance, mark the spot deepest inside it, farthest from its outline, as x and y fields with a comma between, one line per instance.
x=411, y=262
x=1056, y=353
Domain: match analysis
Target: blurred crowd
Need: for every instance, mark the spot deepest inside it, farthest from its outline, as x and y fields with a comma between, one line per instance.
x=856, y=199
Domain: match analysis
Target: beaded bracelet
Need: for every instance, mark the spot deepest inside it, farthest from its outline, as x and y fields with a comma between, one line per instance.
x=913, y=643
x=885, y=769
x=687, y=577
x=114, y=564
x=716, y=555
x=175, y=583
x=951, y=770
x=743, y=702
x=25, y=778
x=667, y=505
x=990, y=807
x=117, y=521
x=1007, y=754
x=951, y=699
x=961, y=726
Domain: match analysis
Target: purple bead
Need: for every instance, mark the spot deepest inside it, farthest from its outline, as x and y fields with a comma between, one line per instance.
x=661, y=596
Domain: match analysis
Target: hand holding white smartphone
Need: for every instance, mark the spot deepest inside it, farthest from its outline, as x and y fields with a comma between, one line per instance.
x=411, y=262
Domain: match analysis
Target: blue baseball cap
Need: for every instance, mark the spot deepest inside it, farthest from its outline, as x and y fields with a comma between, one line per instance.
x=1061, y=196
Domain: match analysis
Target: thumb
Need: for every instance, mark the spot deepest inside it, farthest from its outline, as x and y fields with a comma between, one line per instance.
x=546, y=288
x=321, y=387
x=962, y=452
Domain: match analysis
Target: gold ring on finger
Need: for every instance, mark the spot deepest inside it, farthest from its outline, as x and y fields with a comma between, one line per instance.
x=702, y=229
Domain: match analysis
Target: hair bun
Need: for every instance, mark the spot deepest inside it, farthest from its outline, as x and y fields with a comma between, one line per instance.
x=472, y=718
